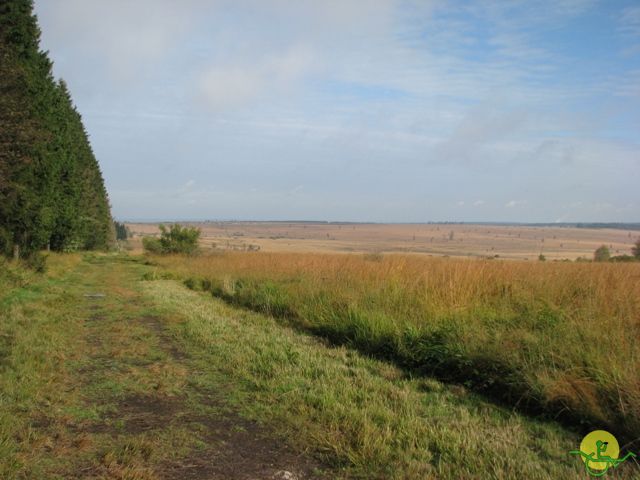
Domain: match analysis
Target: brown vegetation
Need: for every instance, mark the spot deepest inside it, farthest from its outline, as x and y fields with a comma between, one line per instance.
x=556, y=337
x=513, y=242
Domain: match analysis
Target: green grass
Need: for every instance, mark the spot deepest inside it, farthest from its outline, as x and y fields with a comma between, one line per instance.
x=35, y=342
x=69, y=365
x=362, y=415
x=555, y=339
x=65, y=364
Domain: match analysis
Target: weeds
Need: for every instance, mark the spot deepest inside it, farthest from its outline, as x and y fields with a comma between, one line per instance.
x=365, y=418
x=551, y=338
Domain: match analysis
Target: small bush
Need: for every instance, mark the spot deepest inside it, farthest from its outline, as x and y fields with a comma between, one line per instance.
x=175, y=239
x=152, y=245
x=623, y=258
x=636, y=249
x=601, y=254
x=122, y=232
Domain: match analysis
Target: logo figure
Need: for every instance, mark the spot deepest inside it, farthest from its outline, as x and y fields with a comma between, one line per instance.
x=599, y=451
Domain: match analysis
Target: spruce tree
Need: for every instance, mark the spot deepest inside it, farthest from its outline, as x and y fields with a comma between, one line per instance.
x=51, y=189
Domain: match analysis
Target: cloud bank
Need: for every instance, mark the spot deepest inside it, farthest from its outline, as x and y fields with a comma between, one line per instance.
x=344, y=110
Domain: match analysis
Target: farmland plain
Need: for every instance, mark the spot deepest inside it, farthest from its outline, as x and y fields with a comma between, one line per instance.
x=460, y=240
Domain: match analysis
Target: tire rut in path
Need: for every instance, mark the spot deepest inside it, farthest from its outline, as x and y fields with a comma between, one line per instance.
x=233, y=447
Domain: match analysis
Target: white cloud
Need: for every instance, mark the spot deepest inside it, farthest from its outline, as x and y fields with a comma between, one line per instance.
x=236, y=85
x=481, y=126
x=121, y=38
x=426, y=100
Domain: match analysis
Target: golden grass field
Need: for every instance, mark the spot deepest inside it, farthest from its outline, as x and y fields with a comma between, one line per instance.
x=513, y=242
x=154, y=381
x=554, y=337
x=379, y=363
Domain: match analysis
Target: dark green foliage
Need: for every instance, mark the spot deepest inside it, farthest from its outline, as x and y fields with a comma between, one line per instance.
x=175, y=239
x=623, y=258
x=51, y=189
x=122, y=233
x=36, y=261
x=152, y=245
x=601, y=254
x=636, y=249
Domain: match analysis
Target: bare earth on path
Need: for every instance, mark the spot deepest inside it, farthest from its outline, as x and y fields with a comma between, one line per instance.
x=143, y=414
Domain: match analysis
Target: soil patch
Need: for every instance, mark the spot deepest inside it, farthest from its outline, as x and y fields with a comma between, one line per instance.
x=167, y=343
x=140, y=413
x=239, y=449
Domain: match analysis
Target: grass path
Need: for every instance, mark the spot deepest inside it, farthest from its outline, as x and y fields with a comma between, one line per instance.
x=154, y=381
x=112, y=396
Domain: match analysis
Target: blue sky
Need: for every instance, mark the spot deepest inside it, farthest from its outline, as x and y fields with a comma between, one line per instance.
x=378, y=110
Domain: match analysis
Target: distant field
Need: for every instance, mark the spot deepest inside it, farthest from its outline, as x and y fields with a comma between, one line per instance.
x=514, y=242
x=550, y=337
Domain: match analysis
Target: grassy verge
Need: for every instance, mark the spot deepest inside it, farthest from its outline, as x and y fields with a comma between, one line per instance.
x=35, y=343
x=145, y=381
x=69, y=363
x=362, y=415
x=551, y=338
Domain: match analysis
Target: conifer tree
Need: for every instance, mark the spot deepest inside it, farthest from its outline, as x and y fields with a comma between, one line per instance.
x=51, y=189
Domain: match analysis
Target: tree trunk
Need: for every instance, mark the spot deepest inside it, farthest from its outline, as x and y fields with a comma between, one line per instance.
x=16, y=251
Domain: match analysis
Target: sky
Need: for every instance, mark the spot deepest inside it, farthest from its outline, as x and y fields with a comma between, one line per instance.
x=357, y=110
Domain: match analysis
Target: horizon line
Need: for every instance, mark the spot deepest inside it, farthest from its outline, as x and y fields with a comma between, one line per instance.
x=364, y=222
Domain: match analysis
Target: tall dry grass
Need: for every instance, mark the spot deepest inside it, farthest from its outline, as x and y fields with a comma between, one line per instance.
x=559, y=338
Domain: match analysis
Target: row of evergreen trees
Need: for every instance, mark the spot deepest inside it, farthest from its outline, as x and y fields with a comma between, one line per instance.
x=52, y=194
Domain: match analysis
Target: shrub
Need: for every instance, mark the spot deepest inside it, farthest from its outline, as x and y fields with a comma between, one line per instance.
x=601, y=254
x=623, y=258
x=175, y=239
x=636, y=249
x=122, y=232
x=152, y=245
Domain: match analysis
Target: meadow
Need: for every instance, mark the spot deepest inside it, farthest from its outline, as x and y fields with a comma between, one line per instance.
x=550, y=338
x=149, y=380
x=521, y=242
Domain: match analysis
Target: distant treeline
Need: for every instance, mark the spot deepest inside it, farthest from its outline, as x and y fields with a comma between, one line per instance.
x=52, y=194
x=122, y=232
x=618, y=226
x=613, y=225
